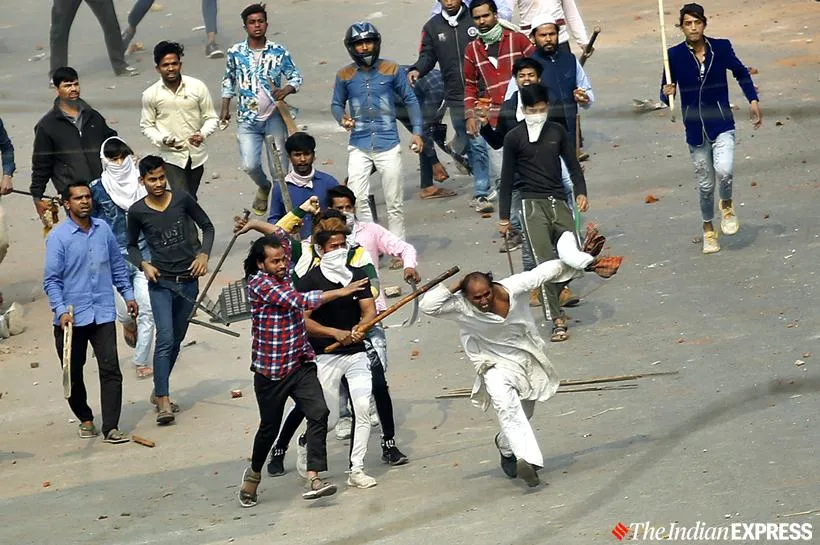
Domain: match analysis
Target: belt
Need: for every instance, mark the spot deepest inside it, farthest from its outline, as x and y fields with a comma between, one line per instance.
x=180, y=279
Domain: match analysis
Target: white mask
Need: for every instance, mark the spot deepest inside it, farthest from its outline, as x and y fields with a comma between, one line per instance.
x=334, y=266
x=350, y=219
x=535, y=122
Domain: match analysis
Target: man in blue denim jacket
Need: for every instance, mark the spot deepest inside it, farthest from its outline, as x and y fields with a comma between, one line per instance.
x=368, y=86
x=698, y=67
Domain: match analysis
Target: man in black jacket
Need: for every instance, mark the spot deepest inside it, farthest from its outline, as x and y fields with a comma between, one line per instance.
x=67, y=140
x=443, y=39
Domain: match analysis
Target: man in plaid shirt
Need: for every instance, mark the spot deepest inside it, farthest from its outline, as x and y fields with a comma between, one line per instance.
x=283, y=361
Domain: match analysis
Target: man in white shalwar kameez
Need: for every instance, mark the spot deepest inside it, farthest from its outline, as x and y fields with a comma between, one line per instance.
x=500, y=339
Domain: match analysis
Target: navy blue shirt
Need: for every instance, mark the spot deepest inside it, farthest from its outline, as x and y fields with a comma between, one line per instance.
x=322, y=182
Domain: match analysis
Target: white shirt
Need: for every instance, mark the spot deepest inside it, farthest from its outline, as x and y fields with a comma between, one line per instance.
x=556, y=10
x=179, y=115
x=512, y=344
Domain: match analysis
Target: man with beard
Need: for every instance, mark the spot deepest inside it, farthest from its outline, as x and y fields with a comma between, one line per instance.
x=83, y=261
x=177, y=116
x=303, y=182
x=532, y=160
x=67, y=140
x=698, y=66
x=488, y=63
x=444, y=39
x=567, y=84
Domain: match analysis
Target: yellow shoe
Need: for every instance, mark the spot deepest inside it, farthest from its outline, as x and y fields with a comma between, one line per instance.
x=710, y=242
x=729, y=224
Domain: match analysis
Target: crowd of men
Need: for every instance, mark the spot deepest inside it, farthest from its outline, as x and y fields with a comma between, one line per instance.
x=137, y=239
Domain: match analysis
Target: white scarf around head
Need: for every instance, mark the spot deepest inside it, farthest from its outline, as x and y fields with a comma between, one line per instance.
x=121, y=182
x=301, y=181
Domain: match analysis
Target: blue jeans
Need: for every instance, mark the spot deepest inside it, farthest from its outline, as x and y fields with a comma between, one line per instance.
x=171, y=311
x=714, y=161
x=141, y=8
x=251, y=136
x=476, y=152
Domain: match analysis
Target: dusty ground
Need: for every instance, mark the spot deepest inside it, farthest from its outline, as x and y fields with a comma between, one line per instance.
x=732, y=438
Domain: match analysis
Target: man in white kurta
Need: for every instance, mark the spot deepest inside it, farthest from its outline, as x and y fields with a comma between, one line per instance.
x=500, y=339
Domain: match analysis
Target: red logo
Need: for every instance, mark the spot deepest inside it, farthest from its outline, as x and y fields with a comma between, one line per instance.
x=620, y=531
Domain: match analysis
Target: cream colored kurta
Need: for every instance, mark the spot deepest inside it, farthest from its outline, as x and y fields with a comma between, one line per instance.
x=510, y=344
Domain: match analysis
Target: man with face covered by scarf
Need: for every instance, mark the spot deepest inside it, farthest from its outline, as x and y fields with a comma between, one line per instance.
x=113, y=194
x=532, y=159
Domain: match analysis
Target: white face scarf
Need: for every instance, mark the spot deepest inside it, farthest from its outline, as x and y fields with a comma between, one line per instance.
x=535, y=122
x=334, y=267
x=121, y=182
x=301, y=181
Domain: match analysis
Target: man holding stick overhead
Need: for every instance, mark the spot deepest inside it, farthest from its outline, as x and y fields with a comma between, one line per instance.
x=698, y=67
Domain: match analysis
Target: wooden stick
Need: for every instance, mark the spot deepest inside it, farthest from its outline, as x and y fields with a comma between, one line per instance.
x=68, y=335
x=284, y=111
x=617, y=378
x=467, y=392
x=666, y=69
x=587, y=53
x=403, y=301
x=143, y=441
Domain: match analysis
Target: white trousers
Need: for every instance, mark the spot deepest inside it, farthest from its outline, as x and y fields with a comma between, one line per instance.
x=388, y=164
x=145, y=319
x=356, y=368
x=513, y=413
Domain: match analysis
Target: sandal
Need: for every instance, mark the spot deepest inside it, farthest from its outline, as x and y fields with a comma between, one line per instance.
x=559, y=331
x=144, y=371
x=153, y=399
x=319, y=489
x=248, y=499
x=165, y=417
x=130, y=336
x=438, y=193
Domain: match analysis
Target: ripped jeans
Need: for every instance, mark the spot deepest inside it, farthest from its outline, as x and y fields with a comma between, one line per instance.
x=714, y=161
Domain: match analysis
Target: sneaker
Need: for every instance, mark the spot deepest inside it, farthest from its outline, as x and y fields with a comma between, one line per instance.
x=128, y=71
x=710, y=242
x=508, y=463
x=301, y=456
x=116, y=437
x=391, y=454
x=514, y=242
x=213, y=51
x=359, y=479
x=260, y=202
x=344, y=428
x=492, y=195
x=528, y=473
x=483, y=205
x=729, y=224
x=127, y=36
x=88, y=431
x=276, y=466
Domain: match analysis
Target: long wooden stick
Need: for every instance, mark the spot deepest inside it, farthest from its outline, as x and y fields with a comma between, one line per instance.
x=403, y=301
x=587, y=53
x=666, y=69
x=68, y=335
x=284, y=111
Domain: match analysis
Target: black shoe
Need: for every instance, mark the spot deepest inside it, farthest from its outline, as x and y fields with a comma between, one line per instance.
x=391, y=454
x=213, y=51
x=509, y=464
x=128, y=72
x=276, y=466
x=528, y=472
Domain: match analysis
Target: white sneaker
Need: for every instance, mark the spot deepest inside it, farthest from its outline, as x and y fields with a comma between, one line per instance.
x=359, y=479
x=492, y=195
x=710, y=242
x=729, y=223
x=343, y=428
x=301, y=457
x=483, y=205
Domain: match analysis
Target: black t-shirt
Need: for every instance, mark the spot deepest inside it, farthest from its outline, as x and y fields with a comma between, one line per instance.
x=171, y=234
x=343, y=313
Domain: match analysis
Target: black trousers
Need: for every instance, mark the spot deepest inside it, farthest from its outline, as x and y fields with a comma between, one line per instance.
x=62, y=17
x=302, y=385
x=187, y=179
x=103, y=338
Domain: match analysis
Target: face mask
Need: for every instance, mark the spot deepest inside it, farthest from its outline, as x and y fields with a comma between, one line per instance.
x=492, y=36
x=350, y=219
x=535, y=122
x=334, y=266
